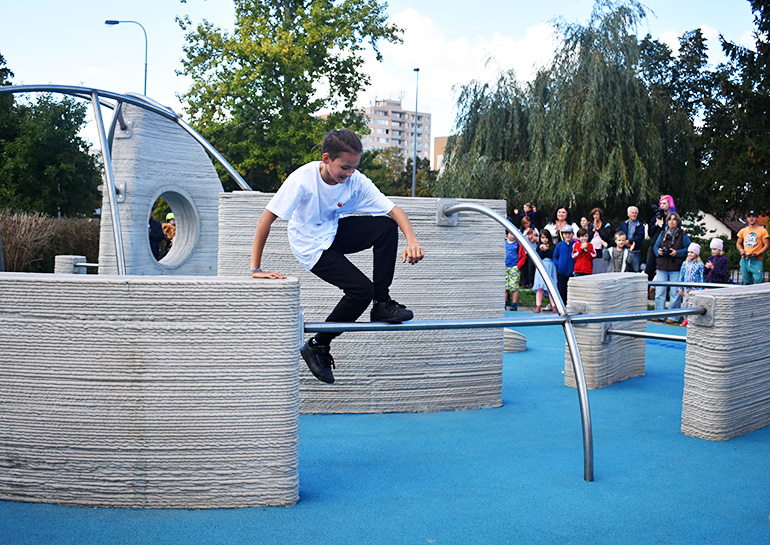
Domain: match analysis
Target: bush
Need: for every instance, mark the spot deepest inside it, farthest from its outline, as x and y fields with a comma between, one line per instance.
x=31, y=241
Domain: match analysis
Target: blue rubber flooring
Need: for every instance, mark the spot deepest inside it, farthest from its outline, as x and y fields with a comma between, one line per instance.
x=508, y=475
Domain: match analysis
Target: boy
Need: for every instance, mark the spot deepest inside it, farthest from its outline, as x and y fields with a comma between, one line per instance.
x=583, y=253
x=752, y=245
x=620, y=254
x=313, y=199
x=562, y=259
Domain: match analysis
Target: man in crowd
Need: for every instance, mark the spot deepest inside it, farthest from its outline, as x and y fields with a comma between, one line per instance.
x=752, y=244
x=634, y=231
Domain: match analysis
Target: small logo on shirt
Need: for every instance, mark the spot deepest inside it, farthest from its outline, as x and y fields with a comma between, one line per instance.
x=339, y=204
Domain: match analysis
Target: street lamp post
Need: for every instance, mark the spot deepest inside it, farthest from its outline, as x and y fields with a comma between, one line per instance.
x=113, y=22
x=414, y=134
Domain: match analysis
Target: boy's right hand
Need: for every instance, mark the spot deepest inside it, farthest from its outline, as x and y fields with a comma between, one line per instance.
x=266, y=274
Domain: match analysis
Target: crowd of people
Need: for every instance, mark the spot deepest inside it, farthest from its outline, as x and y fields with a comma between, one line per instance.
x=568, y=250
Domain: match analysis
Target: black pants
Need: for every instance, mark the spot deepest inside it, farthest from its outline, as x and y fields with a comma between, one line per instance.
x=561, y=284
x=354, y=234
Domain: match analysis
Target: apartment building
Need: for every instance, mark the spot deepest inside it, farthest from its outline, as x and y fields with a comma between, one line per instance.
x=393, y=126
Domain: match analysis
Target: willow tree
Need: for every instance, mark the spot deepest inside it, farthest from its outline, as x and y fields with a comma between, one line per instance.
x=487, y=157
x=258, y=91
x=586, y=131
x=594, y=138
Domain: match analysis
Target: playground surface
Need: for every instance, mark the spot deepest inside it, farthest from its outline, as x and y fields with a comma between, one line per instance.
x=513, y=474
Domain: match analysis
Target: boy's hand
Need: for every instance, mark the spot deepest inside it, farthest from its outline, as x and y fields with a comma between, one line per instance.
x=413, y=253
x=266, y=274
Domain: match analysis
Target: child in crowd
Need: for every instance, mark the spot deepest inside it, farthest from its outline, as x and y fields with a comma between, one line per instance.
x=515, y=256
x=563, y=261
x=621, y=253
x=317, y=200
x=717, y=266
x=545, y=251
x=531, y=234
x=691, y=271
x=583, y=252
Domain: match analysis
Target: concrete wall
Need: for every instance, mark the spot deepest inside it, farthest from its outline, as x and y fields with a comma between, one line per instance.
x=727, y=369
x=614, y=358
x=148, y=391
x=462, y=276
x=155, y=157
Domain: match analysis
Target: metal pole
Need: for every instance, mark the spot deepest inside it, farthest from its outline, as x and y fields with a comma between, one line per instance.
x=113, y=22
x=112, y=195
x=414, y=134
x=577, y=365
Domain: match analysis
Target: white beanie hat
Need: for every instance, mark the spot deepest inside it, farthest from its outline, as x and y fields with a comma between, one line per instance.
x=717, y=243
x=694, y=248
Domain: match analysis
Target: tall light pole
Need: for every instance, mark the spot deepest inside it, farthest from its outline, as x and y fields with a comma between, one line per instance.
x=112, y=22
x=414, y=134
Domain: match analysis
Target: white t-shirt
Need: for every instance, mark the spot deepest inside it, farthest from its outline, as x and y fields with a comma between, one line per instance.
x=313, y=208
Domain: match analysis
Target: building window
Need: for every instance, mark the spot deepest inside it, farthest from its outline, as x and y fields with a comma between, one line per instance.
x=383, y=122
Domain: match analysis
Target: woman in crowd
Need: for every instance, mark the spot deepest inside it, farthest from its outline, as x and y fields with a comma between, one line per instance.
x=561, y=217
x=671, y=249
x=656, y=225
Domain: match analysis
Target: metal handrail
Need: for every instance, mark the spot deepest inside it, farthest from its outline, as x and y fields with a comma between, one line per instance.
x=569, y=333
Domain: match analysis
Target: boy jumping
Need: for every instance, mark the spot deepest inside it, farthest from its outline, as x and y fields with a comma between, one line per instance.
x=313, y=199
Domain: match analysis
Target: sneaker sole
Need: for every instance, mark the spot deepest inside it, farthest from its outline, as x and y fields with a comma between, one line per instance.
x=307, y=362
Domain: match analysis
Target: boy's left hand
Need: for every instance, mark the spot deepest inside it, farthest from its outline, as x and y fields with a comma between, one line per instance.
x=413, y=253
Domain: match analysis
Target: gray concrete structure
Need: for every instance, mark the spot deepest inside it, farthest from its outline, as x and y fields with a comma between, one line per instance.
x=513, y=341
x=727, y=365
x=607, y=359
x=66, y=264
x=462, y=276
x=156, y=157
x=147, y=391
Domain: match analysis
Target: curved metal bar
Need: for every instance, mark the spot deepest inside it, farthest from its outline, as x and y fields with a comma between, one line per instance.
x=569, y=333
x=135, y=100
x=112, y=195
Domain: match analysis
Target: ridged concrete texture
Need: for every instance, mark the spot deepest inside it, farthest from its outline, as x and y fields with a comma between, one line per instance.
x=157, y=157
x=619, y=357
x=65, y=264
x=462, y=276
x=148, y=391
x=514, y=341
x=727, y=365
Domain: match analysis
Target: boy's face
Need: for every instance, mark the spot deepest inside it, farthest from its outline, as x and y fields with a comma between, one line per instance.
x=583, y=238
x=620, y=241
x=510, y=237
x=337, y=171
x=568, y=236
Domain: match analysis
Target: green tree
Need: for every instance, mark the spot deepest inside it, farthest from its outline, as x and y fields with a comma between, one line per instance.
x=44, y=165
x=737, y=150
x=257, y=91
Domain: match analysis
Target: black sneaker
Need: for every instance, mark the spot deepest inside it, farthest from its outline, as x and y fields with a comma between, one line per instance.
x=391, y=312
x=319, y=361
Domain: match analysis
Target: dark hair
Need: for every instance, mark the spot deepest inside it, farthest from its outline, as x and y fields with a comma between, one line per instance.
x=595, y=210
x=553, y=216
x=341, y=141
x=582, y=231
x=546, y=233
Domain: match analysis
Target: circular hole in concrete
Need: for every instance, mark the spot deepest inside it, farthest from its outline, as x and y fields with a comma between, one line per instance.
x=185, y=228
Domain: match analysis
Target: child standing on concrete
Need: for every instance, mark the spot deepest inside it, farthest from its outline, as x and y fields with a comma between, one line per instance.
x=317, y=199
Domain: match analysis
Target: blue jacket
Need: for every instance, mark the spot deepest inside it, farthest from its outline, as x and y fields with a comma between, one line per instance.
x=562, y=258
